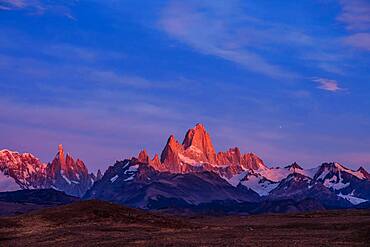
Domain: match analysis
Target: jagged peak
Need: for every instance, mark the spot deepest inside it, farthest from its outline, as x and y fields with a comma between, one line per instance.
x=338, y=168
x=15, y=153
x=60, y=155
x=99, y=175
x=8, y=151
x=155, y=158
x=172, y=147
x=172, y=141
x=69, y=156
x=364, y=172
x=60, y=148
x=361, y=169
x=156, y=163
x=235, y=150
x=335, y=166
x=200, y=141
x=143, y=156
x=251, y=154
x=194, y=135
x=294, y=166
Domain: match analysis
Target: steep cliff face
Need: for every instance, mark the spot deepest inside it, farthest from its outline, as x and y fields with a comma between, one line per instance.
x=197, y=153
x=198, y=145
x=69, y=175
x=63, y=173
x=170, y=157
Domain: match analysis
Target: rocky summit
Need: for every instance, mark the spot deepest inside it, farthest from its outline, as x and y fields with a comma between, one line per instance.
x=25, y=171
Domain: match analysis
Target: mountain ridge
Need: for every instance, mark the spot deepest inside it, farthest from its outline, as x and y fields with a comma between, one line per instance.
x=190, y=173
x=25, y=171
x=330, y=184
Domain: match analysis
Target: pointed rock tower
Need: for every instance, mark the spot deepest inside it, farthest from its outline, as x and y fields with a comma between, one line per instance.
x=69, y=175
x=198, y=145
x=143, y=157
x=170, y=155
x=197, y=153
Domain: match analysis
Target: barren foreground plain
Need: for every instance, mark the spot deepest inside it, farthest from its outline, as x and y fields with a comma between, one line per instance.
x=96, y=223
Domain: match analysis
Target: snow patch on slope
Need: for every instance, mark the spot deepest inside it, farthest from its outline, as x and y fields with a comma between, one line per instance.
x=352, y=199
x=189, y=161
x=275, y=174
x=113, y=179
x=64, y=177
x=259, y=185
x=309, y=172
x=332, y=183
x=235, y=180
x=7, y=183
x=132, y=169
x=129, y=178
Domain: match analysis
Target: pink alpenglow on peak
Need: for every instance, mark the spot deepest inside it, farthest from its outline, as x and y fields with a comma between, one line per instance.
x=197, y=144
x=63, y=173
x=198, y=153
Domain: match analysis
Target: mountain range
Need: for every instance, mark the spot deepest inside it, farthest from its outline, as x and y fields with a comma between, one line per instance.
x=192, y=176
x=25, y=171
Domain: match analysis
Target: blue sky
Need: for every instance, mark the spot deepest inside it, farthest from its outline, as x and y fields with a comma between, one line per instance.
x=287, y=80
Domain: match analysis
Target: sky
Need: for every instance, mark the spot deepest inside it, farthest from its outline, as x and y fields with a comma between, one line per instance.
x=287, y=80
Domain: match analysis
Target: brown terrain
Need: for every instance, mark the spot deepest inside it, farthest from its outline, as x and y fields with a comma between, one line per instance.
x=96, y=223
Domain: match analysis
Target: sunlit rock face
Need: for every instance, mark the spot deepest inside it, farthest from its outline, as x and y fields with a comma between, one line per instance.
x=25, y=170
x=330, y=183
x=198, y=146
x=69, y=175
x=197, y=153
x=63, y=173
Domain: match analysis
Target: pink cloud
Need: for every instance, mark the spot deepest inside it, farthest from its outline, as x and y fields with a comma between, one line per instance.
x=327, y=84
x=359, y=40
x=355, y=14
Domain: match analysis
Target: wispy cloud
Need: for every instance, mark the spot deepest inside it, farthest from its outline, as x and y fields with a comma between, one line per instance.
x=359, y=40
x=39, y=7
x=327, y=84
x=12, y=4
x=356, y=16
x=216, y=29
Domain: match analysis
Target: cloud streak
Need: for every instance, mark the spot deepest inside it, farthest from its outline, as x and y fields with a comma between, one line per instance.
x=356, y=16
x=39, y=7
x=327, y=84
x=359, y=40
x=216, y=29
